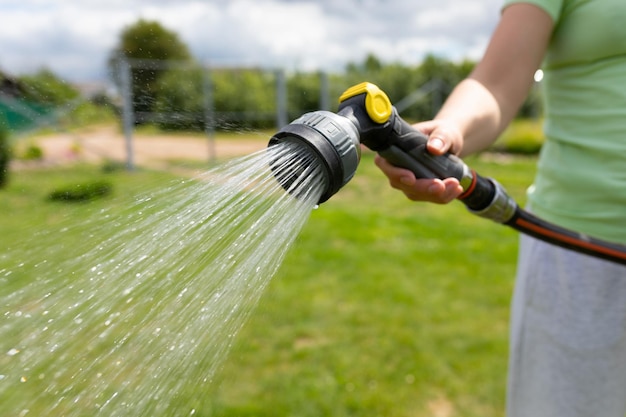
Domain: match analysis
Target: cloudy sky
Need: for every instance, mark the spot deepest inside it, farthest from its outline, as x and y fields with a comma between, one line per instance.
x=74, y=37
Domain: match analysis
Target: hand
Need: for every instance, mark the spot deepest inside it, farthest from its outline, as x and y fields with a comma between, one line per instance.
x=442, y=138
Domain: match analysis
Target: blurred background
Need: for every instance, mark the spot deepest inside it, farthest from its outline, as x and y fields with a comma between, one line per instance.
x=381, y=308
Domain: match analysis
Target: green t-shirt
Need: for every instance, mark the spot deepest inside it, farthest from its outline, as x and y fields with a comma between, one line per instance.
x=581, y=176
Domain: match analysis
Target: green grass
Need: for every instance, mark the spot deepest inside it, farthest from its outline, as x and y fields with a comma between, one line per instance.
x=383, y=307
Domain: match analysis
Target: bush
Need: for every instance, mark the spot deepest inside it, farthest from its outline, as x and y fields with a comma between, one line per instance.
x=5, y=156
x=82, y=192
x=110, y=166
x=33, y=153
x=523, y=137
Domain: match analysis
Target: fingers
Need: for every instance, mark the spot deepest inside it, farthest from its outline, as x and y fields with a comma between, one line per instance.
x=432, y=190
x=442, y=137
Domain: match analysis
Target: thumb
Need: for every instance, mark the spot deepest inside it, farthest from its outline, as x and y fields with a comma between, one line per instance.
x=440, y=136
x=444, y=138
x=437, y=145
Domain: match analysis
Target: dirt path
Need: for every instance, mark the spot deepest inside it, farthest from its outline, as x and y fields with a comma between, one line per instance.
x=108, y=144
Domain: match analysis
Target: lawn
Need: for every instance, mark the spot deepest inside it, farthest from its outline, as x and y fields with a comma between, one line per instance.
x=382, y=307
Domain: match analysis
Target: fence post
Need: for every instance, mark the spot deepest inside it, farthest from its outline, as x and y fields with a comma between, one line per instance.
x=209, y=112
x=281, y=99
x=127, y=110
x=324, y=91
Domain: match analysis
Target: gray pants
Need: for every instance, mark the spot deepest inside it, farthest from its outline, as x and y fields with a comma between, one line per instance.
x=568, y=335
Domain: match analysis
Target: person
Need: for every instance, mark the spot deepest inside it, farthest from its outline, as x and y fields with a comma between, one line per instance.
x=568, y=314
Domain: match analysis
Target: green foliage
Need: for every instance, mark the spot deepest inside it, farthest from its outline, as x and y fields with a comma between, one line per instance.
x=148, y=41
x=5, y=156
x=399, y=80
x=44, y=87
x=33, y=152
x=523, y=136
x=89, y=113
x=303, y=93
x=532, y=108
x=45, y=99
x=81, y=192
x=110, y=166
x=179, y=100
x=245, y=97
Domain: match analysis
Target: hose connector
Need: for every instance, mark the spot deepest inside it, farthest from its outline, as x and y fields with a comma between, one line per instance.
x=502, y=207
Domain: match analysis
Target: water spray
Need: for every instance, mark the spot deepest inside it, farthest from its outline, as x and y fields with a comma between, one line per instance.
x=366, y=116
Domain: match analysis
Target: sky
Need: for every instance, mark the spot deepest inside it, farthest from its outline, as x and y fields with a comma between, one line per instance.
x=74, y=38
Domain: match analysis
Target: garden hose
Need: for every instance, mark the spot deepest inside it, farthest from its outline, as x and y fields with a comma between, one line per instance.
x=366, y=116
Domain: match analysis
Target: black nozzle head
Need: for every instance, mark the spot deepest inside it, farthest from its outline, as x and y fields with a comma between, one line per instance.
x=327, y=139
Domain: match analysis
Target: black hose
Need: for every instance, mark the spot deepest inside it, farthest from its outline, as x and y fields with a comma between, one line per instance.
x=532, y=225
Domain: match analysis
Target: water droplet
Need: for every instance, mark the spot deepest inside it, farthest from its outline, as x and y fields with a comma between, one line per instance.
x=13, y=352
x=178, y=246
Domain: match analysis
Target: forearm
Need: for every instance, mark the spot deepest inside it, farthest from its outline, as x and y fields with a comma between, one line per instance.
x=482, y=105
x=474, y=110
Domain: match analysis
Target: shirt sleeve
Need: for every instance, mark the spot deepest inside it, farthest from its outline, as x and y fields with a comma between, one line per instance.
x=552, y=7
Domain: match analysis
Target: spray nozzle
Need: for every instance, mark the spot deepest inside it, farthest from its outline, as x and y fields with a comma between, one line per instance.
x=366, y=116
x=330, y=142
x=330, y=139
x=333, y=139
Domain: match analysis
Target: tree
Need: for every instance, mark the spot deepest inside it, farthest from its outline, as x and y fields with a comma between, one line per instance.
x=303, y=92
x=180, y=100
x=399, y=80
x=148, y=46
x=44, y=87
x=245, y=96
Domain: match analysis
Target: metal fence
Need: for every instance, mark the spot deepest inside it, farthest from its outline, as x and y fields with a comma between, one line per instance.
x=186, y=95
x=189, y=98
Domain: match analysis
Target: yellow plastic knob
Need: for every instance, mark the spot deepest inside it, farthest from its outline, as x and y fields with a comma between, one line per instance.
x=377, y=104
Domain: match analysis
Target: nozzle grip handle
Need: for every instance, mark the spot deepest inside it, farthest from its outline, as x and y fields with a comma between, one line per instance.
x=412, y=142
x=399, y=158
x=404, y=146
x=408, y=150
